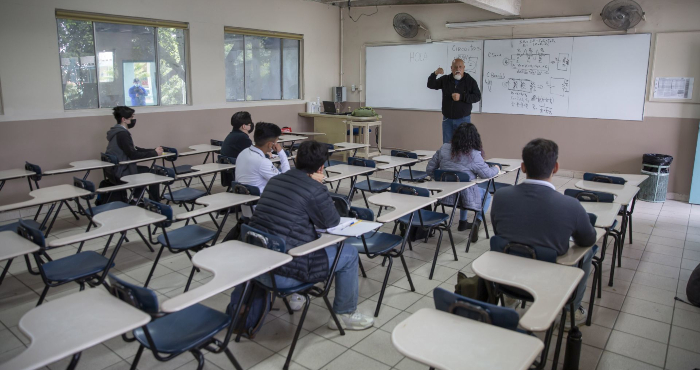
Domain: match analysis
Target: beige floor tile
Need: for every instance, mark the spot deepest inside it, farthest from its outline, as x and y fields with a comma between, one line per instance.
x=398, y=298
x=656, y=269
x=421, y=284
x=386, y=312
x=662, y=259
x=664, y=249
x=678, y=243
x=656, y=281
x=603, y=316
x=648, y=309
x=247, y=354
x=351, y=360
x=671, y=234
x=639, y=348
x=425, y=302
x=686, y=319
x=691, y=255
x=277, y=334
x=313, y=351
x=276, y=362
x=685, y=339
x=680, y=359
x=378, y=346
x=8, y=341
x=613, y=361
x=408, y=364
x=694, y=246
x=96, y=357
x=595, y=336
x=643, y=327
x=648, y=293
x=348, y=340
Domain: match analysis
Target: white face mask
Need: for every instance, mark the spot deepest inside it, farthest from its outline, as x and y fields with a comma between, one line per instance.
x=457, y=76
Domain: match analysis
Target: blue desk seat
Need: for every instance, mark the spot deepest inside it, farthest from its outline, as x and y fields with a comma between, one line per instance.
x=187, y=237
x=75, y=266
x=430, y=218
x=376, y=244
x=377, y=186
x=96, y=210
x=13, y=226
x=184, y=195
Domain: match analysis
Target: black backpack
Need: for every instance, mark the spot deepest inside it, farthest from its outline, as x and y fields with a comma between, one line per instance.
x=261, y=301
x=693, y=288
x=115, y=196
x=235, y=233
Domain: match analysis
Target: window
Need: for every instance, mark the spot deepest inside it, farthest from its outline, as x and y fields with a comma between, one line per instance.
x=261, y=65
x=108, y=61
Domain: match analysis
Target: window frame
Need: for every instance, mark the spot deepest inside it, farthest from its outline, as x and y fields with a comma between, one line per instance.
x=274, y=34
x=134, y=21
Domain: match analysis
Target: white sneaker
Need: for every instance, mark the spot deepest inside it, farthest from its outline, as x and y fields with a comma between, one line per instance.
x=579, y=317
x=296, y=301
x=352, y=321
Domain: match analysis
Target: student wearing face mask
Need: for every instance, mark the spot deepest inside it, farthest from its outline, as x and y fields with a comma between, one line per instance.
x=137, y=93
x=253, y=166
x=459, y=92
x=237, y=140
x=122, y=146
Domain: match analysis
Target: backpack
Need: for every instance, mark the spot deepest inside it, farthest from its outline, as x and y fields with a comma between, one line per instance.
x=235, y=233
x=692, y=291
x=475, y=288
x=115, y=196
x=254, y=314
x=364, y=112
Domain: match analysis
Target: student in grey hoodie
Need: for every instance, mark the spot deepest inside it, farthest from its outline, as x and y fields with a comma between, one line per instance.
x=122, y=146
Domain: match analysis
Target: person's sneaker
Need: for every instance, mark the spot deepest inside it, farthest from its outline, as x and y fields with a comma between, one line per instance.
x=296, y=301
x=464, y=225
x=475, y=231
x=512, y=302
x=352, y=321
x=579, y=317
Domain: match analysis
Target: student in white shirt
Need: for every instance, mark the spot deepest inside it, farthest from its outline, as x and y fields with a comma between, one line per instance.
x=253, y=166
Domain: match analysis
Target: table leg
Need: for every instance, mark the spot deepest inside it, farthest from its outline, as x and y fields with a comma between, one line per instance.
x=366, y=135
x=379, y=137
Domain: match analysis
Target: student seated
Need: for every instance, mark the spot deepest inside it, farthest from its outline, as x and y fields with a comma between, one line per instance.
x=534, y=213
x=122, y=146
x=293, y=205
x=237, y=140
x=253, y=166
x=463, y=154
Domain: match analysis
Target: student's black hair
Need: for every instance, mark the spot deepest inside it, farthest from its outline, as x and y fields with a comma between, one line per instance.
x=241, y=118
x=121, y=111
x=311, y=156
x=265, y=132
x=465, y=139
x=539, y=157
x=137, y=80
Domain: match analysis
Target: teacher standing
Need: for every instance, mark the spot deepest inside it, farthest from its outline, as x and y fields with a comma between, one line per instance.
x=459, y=92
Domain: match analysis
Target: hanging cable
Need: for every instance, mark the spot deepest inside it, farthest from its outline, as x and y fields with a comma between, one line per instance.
x=358, y=18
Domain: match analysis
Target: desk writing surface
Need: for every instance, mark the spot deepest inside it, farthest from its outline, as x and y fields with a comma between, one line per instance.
x=632, y=179
x=550, y=284
x=343, y=146
x=424, y=153
x=623, y=194
x=200, y=149
x=305, y=133
x=443, y=188
x=575, y=253
x=605, y=212
x=325, y=241
x=292, y=137
x=205, y=169
x=136, y=180
x=147, y=159
x=340, y=117
x=47, y=195
x=403, y=204
x=479, y=180
x=232, y=263
x=217, y=202
x=344, y=171
x=509, y=165
x=16, y=173
x=112, y=222
x=71, y=324
x=13, y=245
x=385, y=162
x=447, y=341
x=90, y=164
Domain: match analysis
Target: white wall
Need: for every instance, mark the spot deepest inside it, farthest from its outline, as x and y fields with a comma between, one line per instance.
x=29, y=63
x=662, y=16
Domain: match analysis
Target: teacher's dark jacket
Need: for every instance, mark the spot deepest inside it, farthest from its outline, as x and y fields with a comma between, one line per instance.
x=292, y=207
x=467, y=89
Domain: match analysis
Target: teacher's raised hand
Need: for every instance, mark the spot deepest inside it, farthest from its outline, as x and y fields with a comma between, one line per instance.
x=439, y=71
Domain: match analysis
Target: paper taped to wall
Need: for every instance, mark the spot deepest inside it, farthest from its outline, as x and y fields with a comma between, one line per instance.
x=673, y=88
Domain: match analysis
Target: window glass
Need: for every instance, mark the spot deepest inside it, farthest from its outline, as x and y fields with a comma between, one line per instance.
x=290, y=71
x=263, y=68
x=234, y=60
x=76, y=50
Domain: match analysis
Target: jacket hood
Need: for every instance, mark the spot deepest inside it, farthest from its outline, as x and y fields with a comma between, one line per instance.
x=114, y=130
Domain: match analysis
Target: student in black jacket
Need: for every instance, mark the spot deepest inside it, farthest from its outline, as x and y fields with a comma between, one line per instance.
x=122, y=146
x=238, y=139
x=459, y=92
x=293, y=206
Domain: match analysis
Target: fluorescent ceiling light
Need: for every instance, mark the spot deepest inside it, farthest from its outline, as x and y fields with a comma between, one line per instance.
x=518, y=21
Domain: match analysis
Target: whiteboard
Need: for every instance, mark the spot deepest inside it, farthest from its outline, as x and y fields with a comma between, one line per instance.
x=587, y=77
x=397, y=75
x=527, y=76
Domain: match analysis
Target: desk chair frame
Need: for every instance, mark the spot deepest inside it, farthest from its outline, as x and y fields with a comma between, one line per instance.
x=183, y=203
x=352, y=161
x=256, y=237
x=129, y=295
x=36, y=178
x=624, y=212
x=397, y=170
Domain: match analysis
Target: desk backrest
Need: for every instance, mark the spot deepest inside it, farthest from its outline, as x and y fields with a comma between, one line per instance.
x=170, y=158
x=142, y=298
x=160, y=209
x=346, y=210
x=85, y=185
x=361, y=162
x=499, y=244
x=403, y=154
x=503, y=317
x=163, y=171
x=409, y=190
x=451, y=176
x=254, y=236
x=35, y=168
x=226, y=160
x=238, y=188
x=34, y=235
x=590, y=196
x=216, y=142
x=589, y=176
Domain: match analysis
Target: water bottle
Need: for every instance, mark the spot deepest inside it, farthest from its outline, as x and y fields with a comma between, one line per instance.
x=318, y=103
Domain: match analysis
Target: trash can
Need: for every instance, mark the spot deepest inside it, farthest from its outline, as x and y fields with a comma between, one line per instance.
x=655, y=187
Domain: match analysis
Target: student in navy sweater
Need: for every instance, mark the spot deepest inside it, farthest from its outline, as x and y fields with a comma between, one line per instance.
x=534, y=213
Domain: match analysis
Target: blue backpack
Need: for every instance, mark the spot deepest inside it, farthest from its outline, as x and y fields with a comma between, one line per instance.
x=255, y=313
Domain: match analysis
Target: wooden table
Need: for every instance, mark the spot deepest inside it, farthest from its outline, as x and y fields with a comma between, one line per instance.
x=79, y=166
x=551, y=285
x=447, y=341
x=403, y=204
x=232, y=263
x=363, y=129
x=71, y=324
x=332, y=125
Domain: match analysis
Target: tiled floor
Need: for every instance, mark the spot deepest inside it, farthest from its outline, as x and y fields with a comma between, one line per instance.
x=636, y=325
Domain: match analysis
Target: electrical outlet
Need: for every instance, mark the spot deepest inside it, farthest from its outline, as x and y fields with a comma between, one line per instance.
x=360, y=88
x=352, y=88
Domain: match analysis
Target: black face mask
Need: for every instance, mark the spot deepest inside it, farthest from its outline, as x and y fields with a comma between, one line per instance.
x=132, y=123
x=252, y=127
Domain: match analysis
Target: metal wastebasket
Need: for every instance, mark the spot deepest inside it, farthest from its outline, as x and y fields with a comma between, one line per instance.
x=654, y=188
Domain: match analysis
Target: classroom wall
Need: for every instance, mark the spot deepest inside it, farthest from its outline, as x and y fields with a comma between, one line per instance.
x=585, y=144
x=34, y=126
